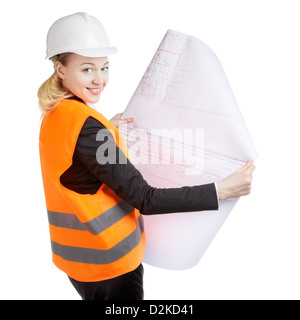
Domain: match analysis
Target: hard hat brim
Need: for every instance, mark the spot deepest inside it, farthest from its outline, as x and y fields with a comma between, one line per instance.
x=91, y=52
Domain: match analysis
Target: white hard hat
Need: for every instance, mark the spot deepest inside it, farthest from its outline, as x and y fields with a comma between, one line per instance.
x=78, y=33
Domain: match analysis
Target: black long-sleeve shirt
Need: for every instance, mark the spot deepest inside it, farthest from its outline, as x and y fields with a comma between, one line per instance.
x=86, y=175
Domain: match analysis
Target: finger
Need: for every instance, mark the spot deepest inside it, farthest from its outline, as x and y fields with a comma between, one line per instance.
x=251, y=168
x=244, y=167
x=127, y=120
x=248, y=165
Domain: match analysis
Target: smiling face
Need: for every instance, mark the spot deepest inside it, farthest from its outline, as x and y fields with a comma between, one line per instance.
x=85, y=77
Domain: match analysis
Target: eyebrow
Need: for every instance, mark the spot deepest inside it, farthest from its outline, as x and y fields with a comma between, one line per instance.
x=92, y=64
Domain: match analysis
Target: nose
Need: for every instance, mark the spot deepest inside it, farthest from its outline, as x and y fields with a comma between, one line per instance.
x=99, y=78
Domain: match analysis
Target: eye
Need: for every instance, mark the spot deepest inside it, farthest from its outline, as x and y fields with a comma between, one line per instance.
x=104, y=69
x=87, y=70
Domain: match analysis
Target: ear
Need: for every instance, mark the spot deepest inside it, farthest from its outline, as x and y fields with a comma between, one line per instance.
x=60, y=70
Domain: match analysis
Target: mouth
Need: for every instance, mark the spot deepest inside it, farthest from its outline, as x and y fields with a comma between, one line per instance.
x=94, y=91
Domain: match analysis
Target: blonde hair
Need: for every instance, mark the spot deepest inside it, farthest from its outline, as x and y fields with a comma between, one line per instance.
x=51, y=92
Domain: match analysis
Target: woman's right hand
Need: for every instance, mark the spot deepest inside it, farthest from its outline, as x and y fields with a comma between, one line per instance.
x=237, y=184
x=117, y=120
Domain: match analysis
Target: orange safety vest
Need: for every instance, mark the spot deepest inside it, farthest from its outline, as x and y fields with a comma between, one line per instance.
x=93, y=237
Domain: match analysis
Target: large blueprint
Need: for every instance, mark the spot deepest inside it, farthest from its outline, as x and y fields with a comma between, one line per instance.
x=188, y=130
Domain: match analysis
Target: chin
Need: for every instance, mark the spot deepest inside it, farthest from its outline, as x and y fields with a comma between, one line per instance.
x=91, y=100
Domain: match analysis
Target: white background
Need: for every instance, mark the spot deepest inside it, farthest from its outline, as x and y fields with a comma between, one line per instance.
x=256, y=253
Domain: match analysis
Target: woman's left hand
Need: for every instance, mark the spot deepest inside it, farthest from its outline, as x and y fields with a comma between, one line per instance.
x=117, y=120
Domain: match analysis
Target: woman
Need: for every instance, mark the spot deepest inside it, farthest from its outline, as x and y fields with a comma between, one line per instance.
x=95, y=197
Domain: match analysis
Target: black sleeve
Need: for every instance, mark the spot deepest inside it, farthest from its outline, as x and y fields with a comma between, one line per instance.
x=95, y=145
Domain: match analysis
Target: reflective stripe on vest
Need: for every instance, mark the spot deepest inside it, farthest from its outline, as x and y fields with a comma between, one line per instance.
x=95, y=226
x=98, y=256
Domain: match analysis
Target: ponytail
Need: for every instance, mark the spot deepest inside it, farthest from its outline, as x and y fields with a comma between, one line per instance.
x=51, y=92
